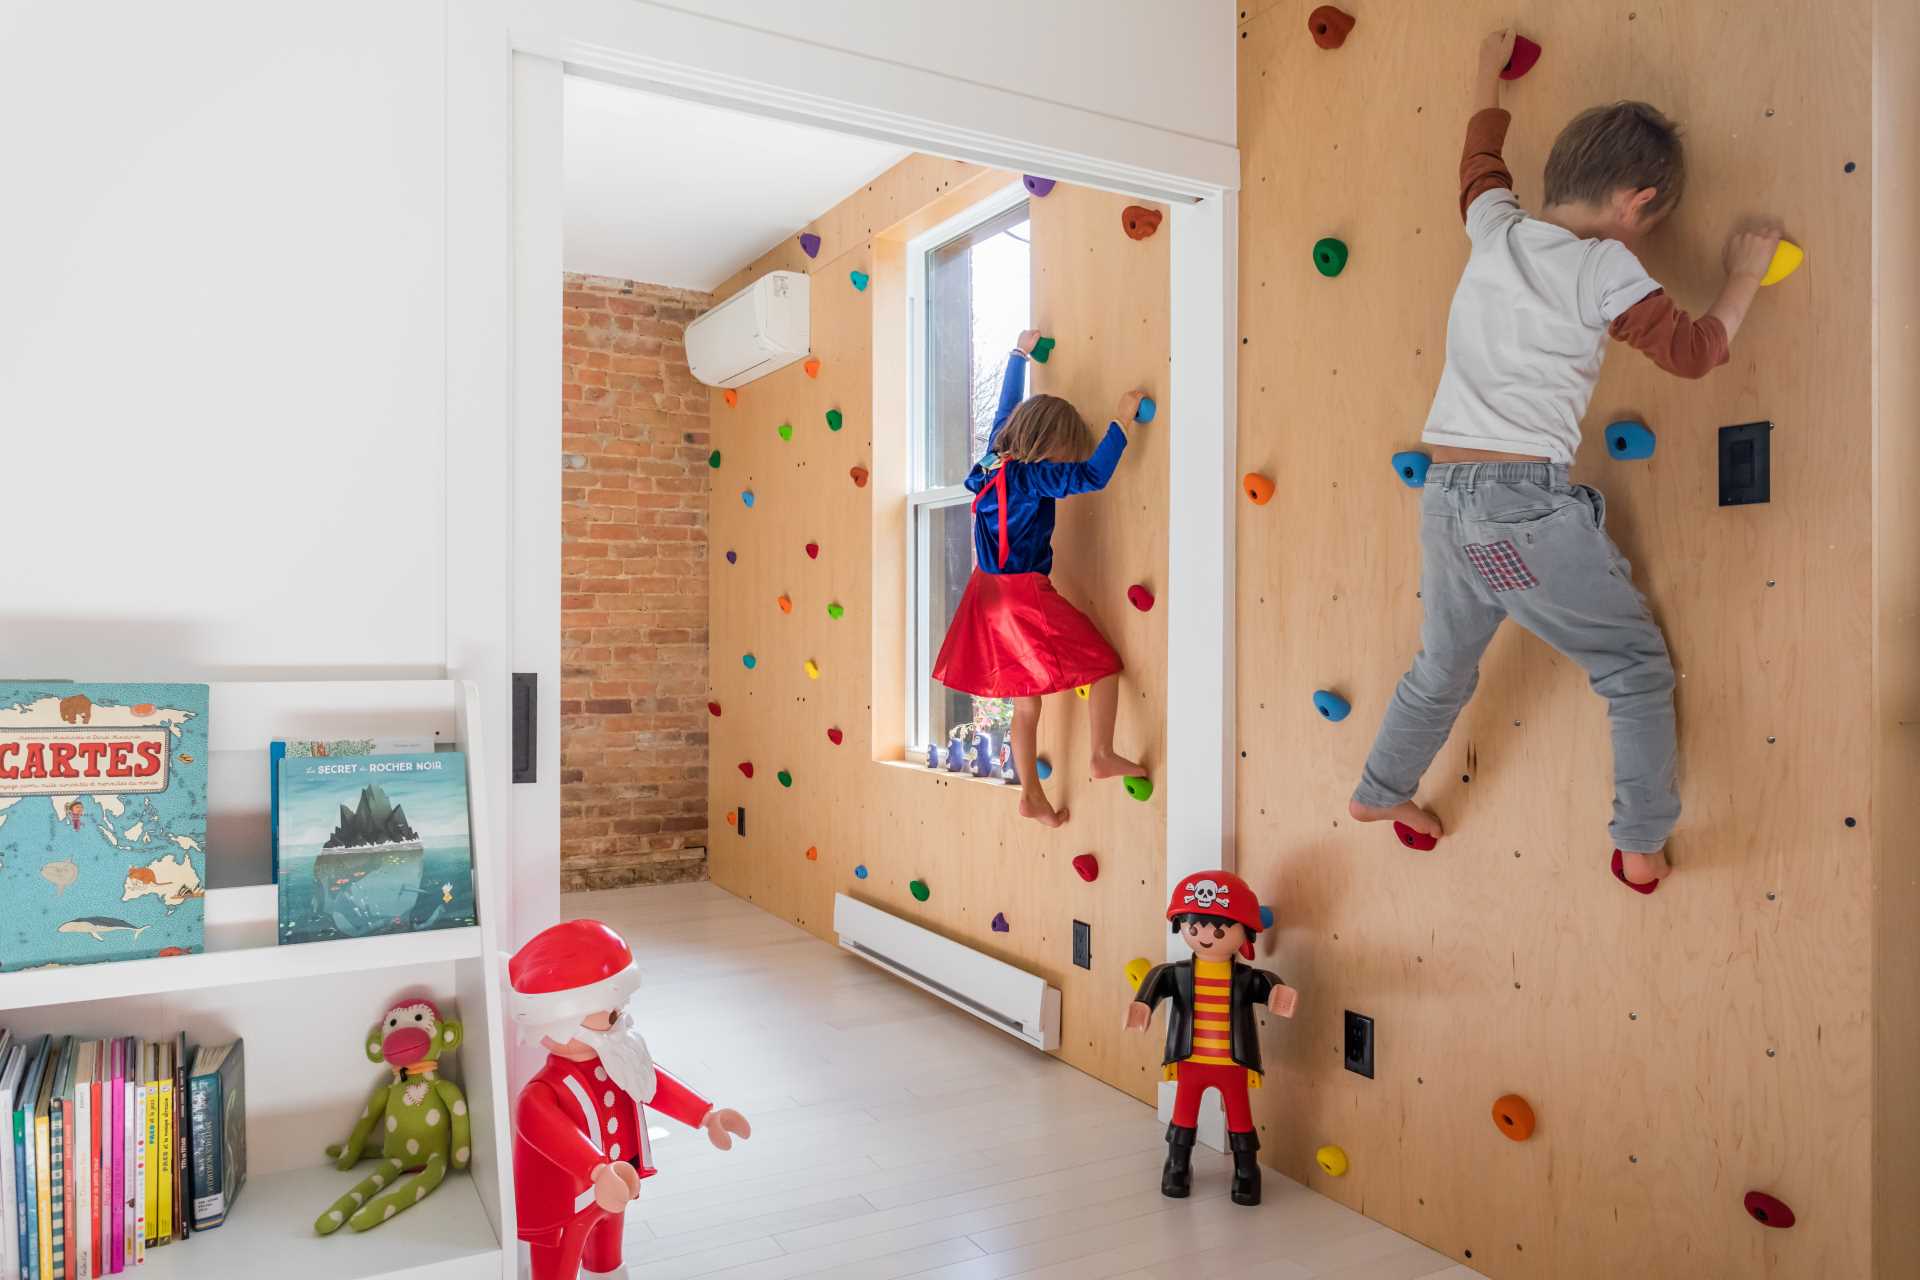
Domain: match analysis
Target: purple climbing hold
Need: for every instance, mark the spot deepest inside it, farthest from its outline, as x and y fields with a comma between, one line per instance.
x=732, y=557
x=1000, y=924
x=810, y=245
x=1038, y=188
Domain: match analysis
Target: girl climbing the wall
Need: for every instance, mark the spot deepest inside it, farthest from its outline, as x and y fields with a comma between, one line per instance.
x=1013, y=636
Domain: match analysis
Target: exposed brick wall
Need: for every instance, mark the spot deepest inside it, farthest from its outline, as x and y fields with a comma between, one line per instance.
x=633, y=678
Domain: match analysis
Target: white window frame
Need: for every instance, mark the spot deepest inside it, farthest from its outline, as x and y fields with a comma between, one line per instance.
x=922, y=632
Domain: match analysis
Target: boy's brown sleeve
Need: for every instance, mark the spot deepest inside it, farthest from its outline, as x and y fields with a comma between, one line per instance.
x=1481, y=168
x=1671, y=338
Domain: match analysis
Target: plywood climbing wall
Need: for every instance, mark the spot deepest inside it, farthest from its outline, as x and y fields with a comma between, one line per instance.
x=1104, y=298
x=1678, y=1049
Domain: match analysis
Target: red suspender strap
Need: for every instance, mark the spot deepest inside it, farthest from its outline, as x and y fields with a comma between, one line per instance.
x=999, y=485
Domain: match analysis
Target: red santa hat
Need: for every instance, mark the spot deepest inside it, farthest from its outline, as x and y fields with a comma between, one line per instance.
x=566, y=972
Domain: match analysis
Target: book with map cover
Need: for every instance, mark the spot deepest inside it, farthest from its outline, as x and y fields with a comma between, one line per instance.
x=103, y=821
x=374, y=845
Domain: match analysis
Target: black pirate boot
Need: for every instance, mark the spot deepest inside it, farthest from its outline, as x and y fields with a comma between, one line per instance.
x=1246, y=1167
x=1176, y=1179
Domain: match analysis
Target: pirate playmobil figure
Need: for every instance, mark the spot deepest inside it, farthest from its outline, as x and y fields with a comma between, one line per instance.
x=580, y=1142
x=1212, y=1041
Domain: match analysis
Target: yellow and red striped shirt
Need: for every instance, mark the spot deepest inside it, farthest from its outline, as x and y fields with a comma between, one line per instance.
x=1212, y=1013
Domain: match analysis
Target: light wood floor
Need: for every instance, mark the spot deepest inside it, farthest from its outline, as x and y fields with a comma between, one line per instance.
x=895, y=1136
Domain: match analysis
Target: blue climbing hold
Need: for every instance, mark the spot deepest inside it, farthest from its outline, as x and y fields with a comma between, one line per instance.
x=860, y=872
x=1266, y=917
x=1629, y=440
x=860, y=279
x=748, y=661
x=746, y=496
x=1331, y=705
x=1147, y=409
x=1411, y=467
x=1043, y=767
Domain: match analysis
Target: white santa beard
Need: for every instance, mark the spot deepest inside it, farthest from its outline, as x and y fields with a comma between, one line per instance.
x=624, y=1055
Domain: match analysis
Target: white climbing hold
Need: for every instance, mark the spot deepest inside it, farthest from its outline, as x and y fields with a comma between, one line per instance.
x=433, y=1116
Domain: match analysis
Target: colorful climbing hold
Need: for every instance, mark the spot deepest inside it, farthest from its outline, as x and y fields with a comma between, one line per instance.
x=1514, y=1116
x=813, y=551
x=1144, y=412
x=1331, y=705
x=813, y=854
x=1266, y=916
x=859, y=475
x=859, y=279
x=713, y=459
x=746, y=768
x=748, y=661
x=1137, y=970
x=784, y=778
x=810, y=244
x=1083, y=691
x=786, y=604
x=860, y=872
x=1520, y=61
x=731, y=817
x=1139, y=788
x=836, y=611
x=1042, y=349
x=812, y=669
x=1414, y=839
x=1787, y=257
x=1043, y=767
x=1411, y=467
x=1088, y=867
x=835, y=737
x=713, y=708
x=1331, y=1159
x=1038, y=188
x=1258, y=488
x=834, y=420
x=1767, y=1211
x=1629, y=440
x=731, y=396
x=746, y=496
x=1329, y=26
x=918, y=888
x=784, y=431
x=1329, y=256
x=733, y=557
x=812, y=366
x=999, y=923
x=1140, y=221
x=1140, y=598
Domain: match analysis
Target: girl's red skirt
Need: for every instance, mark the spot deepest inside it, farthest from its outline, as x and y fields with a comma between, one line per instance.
x=1014, y=636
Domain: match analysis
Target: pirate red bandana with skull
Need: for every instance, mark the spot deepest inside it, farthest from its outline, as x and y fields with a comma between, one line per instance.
x=1217, y=893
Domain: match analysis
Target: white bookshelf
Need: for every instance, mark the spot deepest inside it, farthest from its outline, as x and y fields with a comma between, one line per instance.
x=304, y=1009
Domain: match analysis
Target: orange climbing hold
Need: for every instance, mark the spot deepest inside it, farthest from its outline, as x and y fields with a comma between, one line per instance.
x=812, y=366
x=731, y=819
x=813, y=854
x=786, y=605
x=1329, y=26
x=1139, y=221
x=731, y=396
x=1258, y=488
x=1514, y=1116
x=859, y=475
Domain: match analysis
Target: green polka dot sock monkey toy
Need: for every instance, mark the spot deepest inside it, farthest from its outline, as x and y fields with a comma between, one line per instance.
x=422, y=1119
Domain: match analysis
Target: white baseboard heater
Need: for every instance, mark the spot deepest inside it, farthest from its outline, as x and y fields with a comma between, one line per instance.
x=993, y=991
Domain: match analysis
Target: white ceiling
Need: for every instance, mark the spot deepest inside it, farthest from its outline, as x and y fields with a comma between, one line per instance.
x=682, y=194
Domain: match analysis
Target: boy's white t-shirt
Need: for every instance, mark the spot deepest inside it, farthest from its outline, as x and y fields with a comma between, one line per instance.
x=1527, y=332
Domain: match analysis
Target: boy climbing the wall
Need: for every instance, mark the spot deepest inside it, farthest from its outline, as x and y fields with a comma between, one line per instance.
x=1503, y=532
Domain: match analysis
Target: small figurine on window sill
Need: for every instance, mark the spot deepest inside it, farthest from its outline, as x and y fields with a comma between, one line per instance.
x=580, y=1144
x=1212, y=1039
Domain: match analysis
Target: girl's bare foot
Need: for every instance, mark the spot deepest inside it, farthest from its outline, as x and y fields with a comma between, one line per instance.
x=1411, y=814
x=1040, y=811
x=1644, y=868
x=1111, y=764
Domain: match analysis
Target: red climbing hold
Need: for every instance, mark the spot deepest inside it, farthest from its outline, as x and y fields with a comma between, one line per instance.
x=1139, y=222
x=1414, y=839
x=746, y=767
x=1525, y=54
x=835, y=736
x=859, y=475
x=813, y=551
x=1088, y=866
x=1620, y=874
x=1329, y=26
x=1140, y=598
x=1767, y=1211
x=713, y=708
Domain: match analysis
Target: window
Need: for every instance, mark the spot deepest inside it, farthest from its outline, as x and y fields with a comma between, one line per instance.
x=969, y=296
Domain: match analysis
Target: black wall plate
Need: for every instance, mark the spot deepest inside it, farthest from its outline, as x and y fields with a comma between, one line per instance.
x=1746, y=467
x=1083, y=944
x=1360, y=1044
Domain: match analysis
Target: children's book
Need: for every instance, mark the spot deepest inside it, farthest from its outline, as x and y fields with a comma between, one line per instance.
x=12, y=1067
x=130, y=1121
x=59, y=1191
x=374, y=845
x=27, y=1193
x=218, y=1083
x=331, y=748
x=143, y=1133
x=103, y=821
x=182, y=1143
x=80, y=1161
x=113, y=1226
x=163, y=1179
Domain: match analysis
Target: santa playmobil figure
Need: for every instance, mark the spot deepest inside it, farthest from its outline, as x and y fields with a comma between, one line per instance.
x=580, y=1127
x=1212, y=1040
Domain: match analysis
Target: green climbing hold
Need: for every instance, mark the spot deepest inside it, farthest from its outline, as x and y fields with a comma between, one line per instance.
x=1140, y=788
x=859, y=279
x=919, y=890
x=786, y=779
x=1042, y=349
x=713, y=459
x=834, y=420
x=786, y=431
x=1330, y=256
x=835, y=611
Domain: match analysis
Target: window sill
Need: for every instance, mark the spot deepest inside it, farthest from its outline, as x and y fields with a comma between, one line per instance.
x=942, y=775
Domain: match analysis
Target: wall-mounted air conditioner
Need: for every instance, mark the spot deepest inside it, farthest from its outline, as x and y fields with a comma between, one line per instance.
x=763, y=327
x=993, y=991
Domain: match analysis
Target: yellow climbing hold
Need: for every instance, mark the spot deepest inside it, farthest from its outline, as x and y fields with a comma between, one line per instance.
x=813, y=669
x=1333, y=1160
x=1082, y=690
x=1787, y=257
x=1137, y=971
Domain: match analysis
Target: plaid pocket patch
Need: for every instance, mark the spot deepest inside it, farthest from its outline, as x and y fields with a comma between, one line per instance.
x=1500, y=566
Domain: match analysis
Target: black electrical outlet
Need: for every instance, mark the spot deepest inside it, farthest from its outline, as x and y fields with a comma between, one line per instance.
x=740, y=824
x=1083, y=944
x=526, y=726
x=1360, y=1044
x=1746, y=470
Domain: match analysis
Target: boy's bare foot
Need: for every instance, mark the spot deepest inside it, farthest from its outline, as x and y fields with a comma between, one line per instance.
x=1410, y=814
x=1111, y=764
x=1041, y=812
x=1644, y=868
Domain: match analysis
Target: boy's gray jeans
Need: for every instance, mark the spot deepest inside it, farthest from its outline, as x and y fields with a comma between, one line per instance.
x=1518, y=540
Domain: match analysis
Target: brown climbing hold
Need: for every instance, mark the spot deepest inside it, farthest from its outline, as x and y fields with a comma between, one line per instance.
x=859, y=475
x=812, y=366
x=1088, y=866
x=1514, y=1116
x=731, y=396
x=1140, y=221
x=1329, y=26
x=1258, y=488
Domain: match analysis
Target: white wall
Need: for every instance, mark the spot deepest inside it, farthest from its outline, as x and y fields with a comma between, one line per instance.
x=222, y=334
